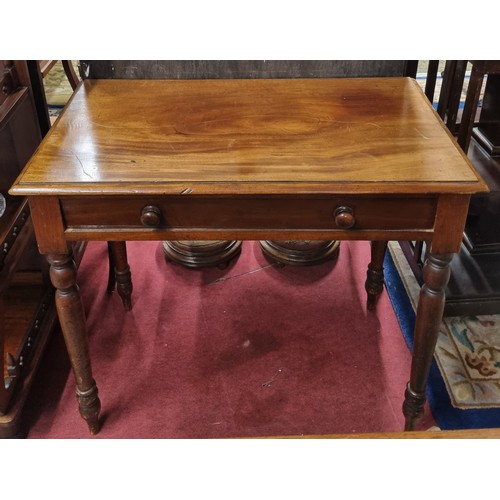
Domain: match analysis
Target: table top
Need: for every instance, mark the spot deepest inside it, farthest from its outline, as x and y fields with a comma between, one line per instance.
x=280, y=136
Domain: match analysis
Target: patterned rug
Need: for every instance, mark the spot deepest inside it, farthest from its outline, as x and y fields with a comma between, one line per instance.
x=466, y=375
x=57, y=87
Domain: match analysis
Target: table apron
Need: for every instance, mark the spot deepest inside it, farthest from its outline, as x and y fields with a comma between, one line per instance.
x=198, y=217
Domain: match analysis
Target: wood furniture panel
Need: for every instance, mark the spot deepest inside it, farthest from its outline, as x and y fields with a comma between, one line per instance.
x=493, y=433
x=191, y=253
x=479, y=70
x=250, y=159
x=186, y=213
x=487, y=131
x=26, y=296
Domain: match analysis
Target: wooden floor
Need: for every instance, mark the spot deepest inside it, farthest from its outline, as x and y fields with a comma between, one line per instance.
x=429, y=434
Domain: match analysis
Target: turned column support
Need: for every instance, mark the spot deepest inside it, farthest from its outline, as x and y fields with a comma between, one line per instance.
x=374, y=284
x=119, y=272
x=73, y=326
x=430, y=309
x=300, y=252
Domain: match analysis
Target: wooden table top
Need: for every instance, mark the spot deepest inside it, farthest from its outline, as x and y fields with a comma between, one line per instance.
x=362, y=135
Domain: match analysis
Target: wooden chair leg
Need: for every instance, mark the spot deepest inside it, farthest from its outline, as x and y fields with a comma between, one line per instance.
x=470, y=107
x=70, y=74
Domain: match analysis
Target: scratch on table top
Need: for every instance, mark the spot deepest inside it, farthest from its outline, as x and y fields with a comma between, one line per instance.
x=90, y=176
x=186, y=191
x=420, y=133
x=343, y=122
x=180, y=132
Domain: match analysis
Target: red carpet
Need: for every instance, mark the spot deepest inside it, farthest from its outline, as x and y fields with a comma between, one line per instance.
x=252, y=350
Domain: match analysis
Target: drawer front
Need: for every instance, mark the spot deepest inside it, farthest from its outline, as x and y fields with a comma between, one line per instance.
x=250, y=213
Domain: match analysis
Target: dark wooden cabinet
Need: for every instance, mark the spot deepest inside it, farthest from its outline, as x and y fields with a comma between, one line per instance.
x=487, y=131
x=27, y=313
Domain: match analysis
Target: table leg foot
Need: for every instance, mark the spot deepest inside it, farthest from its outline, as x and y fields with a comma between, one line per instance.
x=413, y=408
x=124, y=288
x=90, y=407
x=121, y=272
x=374, y=284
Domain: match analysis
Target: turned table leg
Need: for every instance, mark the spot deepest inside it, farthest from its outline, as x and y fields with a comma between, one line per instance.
x=72, y=320
x=429, y=316
x=374, y=284
x=111, y=269
x=120, y=270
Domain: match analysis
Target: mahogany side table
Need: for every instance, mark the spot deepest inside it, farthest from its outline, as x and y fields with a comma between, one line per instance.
x=283, y=159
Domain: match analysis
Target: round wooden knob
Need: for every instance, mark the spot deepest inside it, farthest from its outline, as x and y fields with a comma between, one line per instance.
x=344, y=217
x=151, y=216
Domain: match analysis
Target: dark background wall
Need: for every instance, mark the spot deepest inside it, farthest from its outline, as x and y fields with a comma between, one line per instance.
x=241, y=69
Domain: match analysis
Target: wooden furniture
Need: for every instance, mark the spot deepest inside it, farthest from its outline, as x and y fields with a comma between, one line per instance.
x=27, y=311
x=69, y=71
x=493, y=433
x=451, y=94
x=474, y=286
x=197, y=254
x=300, y=252
x=321, y=159
x=479, y=70
x=38, y=70
x=475, y=283
x=487, y=131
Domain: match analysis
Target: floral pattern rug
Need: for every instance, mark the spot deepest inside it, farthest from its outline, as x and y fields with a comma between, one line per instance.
x=56, y=85
x=467, y=351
